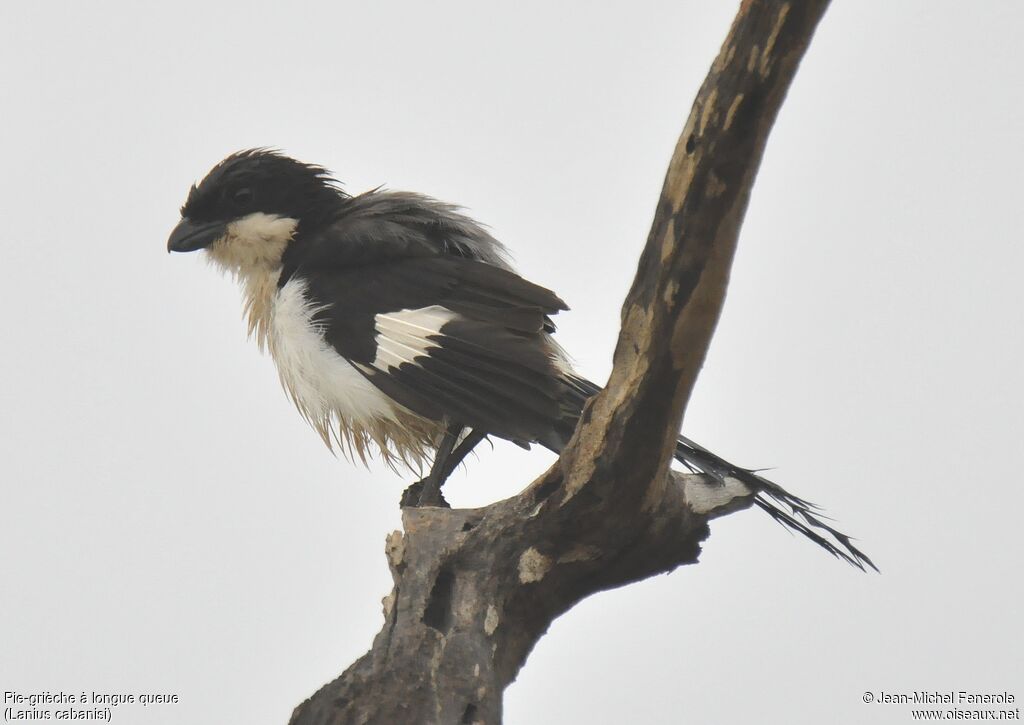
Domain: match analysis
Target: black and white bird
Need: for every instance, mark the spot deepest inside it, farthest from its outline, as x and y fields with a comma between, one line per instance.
x=397, y=324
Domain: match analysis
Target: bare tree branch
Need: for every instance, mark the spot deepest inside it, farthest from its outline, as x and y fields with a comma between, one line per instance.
x=475, y=589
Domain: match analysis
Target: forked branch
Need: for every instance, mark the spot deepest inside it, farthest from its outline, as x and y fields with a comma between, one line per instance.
x=475, y=589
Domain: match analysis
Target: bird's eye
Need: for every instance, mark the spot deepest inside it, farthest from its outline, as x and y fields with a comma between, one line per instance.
x=243, y=197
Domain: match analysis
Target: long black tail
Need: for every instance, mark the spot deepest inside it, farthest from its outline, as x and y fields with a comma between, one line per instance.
x=791, y=511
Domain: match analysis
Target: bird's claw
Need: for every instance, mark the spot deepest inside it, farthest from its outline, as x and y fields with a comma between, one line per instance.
x=418, y=495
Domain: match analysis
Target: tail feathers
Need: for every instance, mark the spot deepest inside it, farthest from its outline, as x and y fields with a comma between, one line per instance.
x=790, y=511
x=803, y=521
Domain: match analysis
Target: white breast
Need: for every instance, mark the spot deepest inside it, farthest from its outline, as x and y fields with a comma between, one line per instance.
x=321, y=382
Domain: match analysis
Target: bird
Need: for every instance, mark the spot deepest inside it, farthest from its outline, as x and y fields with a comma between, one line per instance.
x=398, y=325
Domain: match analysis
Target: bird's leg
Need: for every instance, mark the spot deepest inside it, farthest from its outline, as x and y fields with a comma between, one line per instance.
x=462, y=450
x=430, y=487
x=413, y=496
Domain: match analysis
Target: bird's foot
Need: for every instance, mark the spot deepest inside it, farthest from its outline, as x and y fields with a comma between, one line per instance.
x=421, y=494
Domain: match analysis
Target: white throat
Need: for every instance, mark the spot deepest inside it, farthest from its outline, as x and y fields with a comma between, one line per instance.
x=251, y=251
x=253, y=243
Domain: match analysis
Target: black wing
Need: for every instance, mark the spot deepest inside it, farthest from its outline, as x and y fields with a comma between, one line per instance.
x=449, y=338
x=392, y=225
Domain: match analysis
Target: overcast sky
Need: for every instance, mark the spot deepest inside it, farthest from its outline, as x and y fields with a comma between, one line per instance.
x=171, y=525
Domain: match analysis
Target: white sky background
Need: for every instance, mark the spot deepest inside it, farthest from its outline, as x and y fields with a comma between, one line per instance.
x=169, y=523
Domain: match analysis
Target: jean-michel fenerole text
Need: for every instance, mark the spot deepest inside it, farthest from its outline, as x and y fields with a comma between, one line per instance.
x=951, y=697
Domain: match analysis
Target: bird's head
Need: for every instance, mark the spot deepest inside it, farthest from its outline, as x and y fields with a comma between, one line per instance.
x=250, y=205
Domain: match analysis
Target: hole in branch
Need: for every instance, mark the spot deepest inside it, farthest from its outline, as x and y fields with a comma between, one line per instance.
x=691, y=144
x=469, y=714
x=438, y=612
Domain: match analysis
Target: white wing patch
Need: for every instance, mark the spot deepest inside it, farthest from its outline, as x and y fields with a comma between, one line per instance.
x=404, y=336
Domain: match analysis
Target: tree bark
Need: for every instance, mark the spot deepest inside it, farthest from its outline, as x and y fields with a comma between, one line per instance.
x=475, y=589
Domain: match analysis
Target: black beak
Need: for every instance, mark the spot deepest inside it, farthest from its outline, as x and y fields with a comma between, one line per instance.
x=189, y=236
